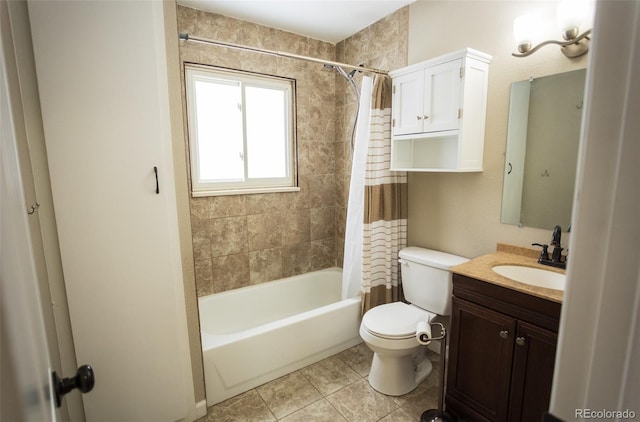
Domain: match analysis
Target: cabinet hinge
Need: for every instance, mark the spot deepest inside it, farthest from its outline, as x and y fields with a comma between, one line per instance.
x=461, y=72
x=459, y=113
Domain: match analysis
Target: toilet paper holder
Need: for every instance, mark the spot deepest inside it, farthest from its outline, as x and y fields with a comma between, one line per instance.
x=439, y=415
x=424, y=336
x=443, y=331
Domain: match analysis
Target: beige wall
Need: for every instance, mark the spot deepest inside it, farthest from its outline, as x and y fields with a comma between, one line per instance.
x=182, y=198
x=460, y=213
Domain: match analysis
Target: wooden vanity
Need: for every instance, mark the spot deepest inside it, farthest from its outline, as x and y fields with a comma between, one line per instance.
x=502, y=343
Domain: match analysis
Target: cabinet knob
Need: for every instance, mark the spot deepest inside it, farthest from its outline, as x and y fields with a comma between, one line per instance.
x=419, y=117
x=504, y=334
x=425, y=117
x=520, y=341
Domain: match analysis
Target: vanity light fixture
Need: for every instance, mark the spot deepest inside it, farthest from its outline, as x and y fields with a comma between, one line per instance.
x=570, y=15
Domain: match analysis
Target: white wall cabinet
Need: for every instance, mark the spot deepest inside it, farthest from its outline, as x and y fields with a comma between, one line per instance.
x=439, y=109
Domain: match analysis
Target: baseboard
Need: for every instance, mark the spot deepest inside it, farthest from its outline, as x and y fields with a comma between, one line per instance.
x=201, y=409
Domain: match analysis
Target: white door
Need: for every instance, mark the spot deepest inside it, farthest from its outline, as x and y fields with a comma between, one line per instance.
x=26, y=370
x=408, y=103
x=101, y=69
x=442, y=97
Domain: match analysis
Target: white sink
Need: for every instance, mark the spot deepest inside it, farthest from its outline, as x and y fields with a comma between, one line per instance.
x=532, y=276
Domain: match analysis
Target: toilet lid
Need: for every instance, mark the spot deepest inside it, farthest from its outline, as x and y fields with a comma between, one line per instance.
x=394, y=320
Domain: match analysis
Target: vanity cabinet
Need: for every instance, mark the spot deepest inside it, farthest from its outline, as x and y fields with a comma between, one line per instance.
x=501, y=352
x=438, y=113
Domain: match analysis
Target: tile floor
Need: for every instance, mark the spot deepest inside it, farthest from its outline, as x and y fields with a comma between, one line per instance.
x=334, y=389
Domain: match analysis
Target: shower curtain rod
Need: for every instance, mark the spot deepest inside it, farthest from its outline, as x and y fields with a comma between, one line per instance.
x=187, y=37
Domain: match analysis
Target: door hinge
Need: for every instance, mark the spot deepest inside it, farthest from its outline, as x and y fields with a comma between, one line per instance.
x=394, y=89
x=393, y=123
x=459, y=113
x=461, y=72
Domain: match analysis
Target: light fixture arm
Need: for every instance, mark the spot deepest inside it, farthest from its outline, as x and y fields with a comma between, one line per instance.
x=572, y=48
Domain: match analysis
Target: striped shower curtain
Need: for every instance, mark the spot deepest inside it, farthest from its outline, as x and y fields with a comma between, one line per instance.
x=385, y=206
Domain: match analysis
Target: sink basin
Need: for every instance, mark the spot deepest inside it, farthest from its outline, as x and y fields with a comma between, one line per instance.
x=532, y=276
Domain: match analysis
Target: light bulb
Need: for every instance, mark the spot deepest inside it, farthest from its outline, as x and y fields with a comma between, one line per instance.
x=524, y=31
x=571, y=15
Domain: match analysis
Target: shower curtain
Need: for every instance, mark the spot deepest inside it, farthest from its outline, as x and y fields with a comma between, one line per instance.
x=383, y=211
x=352, y=265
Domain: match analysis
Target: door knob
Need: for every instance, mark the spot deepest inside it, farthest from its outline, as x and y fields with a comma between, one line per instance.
x=84, y=381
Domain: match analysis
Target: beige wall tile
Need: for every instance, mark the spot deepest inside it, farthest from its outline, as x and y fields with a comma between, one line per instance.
x=265, y=265
x=296, y=259
x=265, y=231
x=323, y=223
x=323, y=253
x=322, y=190
x=201, y=239
x=230, y=272
x=204, y=277
x=315, y=157
x=296, y=227
x=228, y=236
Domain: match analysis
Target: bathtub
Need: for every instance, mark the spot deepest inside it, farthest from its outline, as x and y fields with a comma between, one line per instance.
x=255, y=334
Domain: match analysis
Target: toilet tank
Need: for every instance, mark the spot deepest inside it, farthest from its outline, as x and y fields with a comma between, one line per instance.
x=426, y=280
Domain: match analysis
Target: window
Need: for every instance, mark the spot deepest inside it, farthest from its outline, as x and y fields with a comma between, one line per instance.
x=241, y=132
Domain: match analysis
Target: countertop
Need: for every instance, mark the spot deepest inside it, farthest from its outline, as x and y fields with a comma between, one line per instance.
x=480, y=268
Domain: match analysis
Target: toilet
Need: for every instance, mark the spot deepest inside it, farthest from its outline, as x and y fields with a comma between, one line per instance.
x=399, y=362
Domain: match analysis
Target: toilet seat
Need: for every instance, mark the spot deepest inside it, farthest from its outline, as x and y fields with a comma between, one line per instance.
x=394, y=321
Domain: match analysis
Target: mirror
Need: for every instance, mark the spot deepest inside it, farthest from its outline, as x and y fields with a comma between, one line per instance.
x=545, y=115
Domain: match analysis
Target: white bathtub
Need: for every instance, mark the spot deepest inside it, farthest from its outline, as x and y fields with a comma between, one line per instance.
x=258, y=333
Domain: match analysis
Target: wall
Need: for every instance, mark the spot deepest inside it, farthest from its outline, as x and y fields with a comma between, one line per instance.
x=382, y=45
x=182, y=198
x=240, y=240
x=249, y=239
x=460, y=213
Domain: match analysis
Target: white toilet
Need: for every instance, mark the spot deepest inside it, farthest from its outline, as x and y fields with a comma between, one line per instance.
x=399, y=362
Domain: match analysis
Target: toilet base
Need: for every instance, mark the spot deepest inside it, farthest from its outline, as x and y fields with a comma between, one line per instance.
x=397, y=375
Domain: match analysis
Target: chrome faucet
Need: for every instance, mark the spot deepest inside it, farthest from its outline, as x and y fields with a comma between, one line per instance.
x=556, y=256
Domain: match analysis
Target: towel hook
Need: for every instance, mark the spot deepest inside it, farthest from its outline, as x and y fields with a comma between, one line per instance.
x=33, y=208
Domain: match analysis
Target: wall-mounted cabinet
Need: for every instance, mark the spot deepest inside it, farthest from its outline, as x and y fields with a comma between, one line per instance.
x=439, y=110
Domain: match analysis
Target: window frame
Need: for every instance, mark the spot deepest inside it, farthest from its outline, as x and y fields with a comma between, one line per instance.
x=197, y=72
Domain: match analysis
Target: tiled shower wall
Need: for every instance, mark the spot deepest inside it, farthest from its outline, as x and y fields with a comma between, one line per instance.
x=383, y=45
x=239, y=240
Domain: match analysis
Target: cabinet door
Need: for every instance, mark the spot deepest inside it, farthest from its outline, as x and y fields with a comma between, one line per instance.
x=532, y=376
x=442, y=97
x=408, y=103
x=481, y=352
